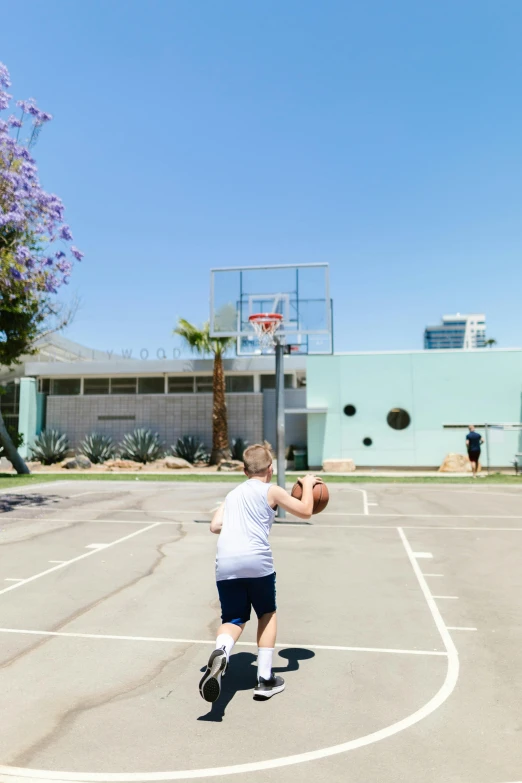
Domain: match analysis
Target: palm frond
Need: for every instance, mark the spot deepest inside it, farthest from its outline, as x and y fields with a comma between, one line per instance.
x=199, y=339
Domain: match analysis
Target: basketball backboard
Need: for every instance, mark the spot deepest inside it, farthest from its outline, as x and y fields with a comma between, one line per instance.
x=300, y=293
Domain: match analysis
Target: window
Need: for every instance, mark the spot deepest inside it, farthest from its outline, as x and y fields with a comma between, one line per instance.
x=123, y=385
x=183, y=384
x=204, y=383
x=398, y=419
x=151, y=385
x=95, y=385
x=268, y=382
x=367, y=441
x=350, y=410
x=65, y=386
x=44, y=385
x=239, y=383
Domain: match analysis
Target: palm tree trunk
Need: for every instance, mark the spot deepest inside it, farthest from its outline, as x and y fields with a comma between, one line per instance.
x=10, y=452
x=220, y=445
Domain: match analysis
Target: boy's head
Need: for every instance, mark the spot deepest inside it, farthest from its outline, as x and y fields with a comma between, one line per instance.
x=258, y=461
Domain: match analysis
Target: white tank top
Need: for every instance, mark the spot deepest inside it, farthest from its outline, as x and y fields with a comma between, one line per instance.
x=243, y=549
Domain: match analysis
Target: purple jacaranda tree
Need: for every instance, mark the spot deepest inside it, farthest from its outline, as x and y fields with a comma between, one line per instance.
x=36, y=250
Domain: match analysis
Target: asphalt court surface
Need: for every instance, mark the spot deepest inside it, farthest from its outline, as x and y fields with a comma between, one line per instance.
x=400, y=630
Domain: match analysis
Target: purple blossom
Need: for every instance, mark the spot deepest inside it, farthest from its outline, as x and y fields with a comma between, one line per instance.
x=5, y=80
x=22, y=254
x=25, y=206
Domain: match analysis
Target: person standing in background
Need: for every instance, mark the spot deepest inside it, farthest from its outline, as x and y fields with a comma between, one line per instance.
x=473, y=443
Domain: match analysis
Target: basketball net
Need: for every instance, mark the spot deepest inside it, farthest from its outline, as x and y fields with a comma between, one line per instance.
x=265, y=325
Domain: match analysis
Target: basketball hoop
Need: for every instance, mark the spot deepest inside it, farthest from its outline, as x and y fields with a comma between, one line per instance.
x=265, y=325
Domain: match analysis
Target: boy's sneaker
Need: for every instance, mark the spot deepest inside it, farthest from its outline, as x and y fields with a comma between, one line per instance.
x=265, y=689
x=210, y=685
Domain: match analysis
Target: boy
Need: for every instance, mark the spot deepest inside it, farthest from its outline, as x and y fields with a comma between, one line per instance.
x=245, y=569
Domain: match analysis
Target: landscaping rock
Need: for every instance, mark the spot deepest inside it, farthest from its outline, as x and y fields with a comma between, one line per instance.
x=79, y=462
x=338, y=466
x=231, y=466
x=455, y=463
x=176, y=463
x=125, y=464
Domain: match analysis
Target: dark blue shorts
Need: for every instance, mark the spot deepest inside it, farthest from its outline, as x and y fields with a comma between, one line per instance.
x=238, y=596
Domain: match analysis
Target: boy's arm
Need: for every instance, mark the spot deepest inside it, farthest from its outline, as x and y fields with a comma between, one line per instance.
x=303, y=508
x=217, y=520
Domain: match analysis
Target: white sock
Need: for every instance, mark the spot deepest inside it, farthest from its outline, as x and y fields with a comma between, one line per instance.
x=264, y=662
x=226, y=641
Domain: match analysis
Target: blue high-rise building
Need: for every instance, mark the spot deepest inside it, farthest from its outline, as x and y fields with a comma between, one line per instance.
x=457, y=331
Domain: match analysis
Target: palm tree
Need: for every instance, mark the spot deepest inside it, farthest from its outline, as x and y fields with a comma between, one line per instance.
x=200, y=341
x=491, y=342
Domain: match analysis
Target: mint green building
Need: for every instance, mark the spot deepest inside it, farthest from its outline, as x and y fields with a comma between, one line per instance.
x=389, y=409
x=379, y=409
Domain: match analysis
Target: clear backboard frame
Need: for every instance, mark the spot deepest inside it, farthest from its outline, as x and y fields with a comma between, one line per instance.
x=300, y=293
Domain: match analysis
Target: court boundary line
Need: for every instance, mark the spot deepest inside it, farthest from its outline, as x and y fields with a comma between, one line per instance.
x=15, y=774
x=169, y=640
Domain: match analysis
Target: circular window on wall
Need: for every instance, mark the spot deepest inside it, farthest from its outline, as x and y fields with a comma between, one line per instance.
x=350, y=410
x=367, y=441
x=398, y=419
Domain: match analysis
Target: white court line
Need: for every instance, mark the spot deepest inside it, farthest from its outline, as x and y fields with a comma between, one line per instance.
x=16, y=774
x=76, y=560
x=459, y=628
x=168, y=640
x=309, y=526
x=97, y=546
x=449, y=597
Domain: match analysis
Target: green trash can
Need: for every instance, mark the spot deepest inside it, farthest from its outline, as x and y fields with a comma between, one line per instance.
x=300, y=459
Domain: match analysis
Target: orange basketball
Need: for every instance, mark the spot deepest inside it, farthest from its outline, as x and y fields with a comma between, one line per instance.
x=321, y=495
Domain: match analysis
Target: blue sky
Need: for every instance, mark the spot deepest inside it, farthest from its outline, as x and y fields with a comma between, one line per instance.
x=382, y=137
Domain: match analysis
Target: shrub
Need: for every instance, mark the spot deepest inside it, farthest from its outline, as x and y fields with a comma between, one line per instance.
x=141, y=446
x=190, y=448
x=238, y=448
x=98, y=448
x=50, y=447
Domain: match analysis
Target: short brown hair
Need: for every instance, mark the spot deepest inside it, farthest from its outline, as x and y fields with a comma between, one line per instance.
x=257, y=459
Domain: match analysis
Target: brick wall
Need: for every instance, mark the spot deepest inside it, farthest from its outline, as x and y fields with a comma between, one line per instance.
x=172, y=416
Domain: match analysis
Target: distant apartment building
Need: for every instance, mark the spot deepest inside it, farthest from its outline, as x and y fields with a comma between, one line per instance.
x=457, y=331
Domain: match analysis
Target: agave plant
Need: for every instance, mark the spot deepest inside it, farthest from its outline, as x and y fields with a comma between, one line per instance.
x=190, y=448
x=49, y=447
x=238, y=448
x=98, y=448
x=141, y=446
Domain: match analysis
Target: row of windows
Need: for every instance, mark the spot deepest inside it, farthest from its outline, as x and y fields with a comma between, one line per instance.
x=184, y=384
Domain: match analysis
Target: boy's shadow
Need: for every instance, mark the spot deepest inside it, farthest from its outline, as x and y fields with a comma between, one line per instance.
x=242, y=676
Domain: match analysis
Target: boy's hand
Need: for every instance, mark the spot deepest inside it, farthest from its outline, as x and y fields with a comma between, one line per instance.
x=309, y=478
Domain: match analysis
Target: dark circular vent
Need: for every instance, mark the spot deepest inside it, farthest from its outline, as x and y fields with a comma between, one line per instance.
x=367, y=441
x=350, y=410
x=398, y=419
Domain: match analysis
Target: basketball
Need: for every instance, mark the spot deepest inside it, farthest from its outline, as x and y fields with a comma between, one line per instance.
x=321, y=495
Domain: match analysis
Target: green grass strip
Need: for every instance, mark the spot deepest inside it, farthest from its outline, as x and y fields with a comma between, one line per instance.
x=8, y=481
